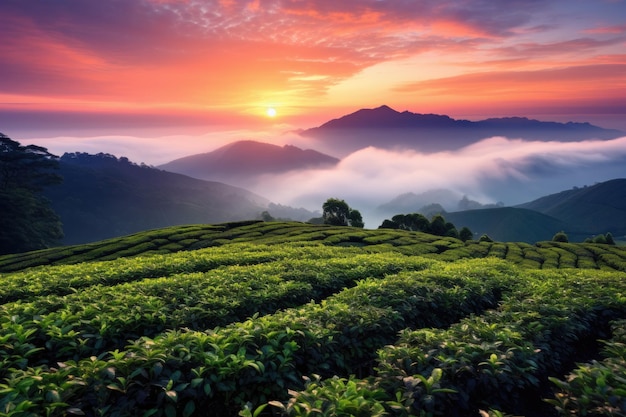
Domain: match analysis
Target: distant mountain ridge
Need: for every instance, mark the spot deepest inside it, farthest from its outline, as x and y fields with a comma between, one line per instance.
x=386, y=128
x=248, y=158
x=582, y=212
x=591, y=210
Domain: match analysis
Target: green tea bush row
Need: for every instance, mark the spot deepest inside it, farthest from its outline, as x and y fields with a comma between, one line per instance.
x=189, y=372
x=499, y=360
x=94, y=251
x=98, y=317
x=597, y=388
x=186, y=238
x=66, y=279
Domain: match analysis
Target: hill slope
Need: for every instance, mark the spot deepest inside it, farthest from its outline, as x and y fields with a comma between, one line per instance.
x=596, y=209
x=255, y=232
x=384, y=127
x=508, y=224
x=244, y=159
x=103, y=196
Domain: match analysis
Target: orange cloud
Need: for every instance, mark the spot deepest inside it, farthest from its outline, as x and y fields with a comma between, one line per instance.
x=556, y=86
x=222, y=54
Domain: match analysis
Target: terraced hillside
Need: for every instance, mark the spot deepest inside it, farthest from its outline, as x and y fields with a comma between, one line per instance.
x=188, y=238
x=294, y=319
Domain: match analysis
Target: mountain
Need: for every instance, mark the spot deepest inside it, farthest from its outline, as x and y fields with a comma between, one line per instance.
x=384, y=127
x=412, y=202
x=102, y=196
x=591, y=210
x=508, y=224
x=580, y=212
x=248, y=159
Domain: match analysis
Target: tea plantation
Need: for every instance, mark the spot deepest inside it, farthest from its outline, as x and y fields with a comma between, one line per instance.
x=292, y=319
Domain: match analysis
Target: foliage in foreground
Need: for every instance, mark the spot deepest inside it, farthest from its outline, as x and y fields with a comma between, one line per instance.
x=297, y=320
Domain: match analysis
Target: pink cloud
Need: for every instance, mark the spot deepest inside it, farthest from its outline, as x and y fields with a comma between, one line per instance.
x=138, y=55
x=611, y=29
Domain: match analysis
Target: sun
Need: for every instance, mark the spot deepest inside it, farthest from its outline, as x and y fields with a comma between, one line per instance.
x=271, y=112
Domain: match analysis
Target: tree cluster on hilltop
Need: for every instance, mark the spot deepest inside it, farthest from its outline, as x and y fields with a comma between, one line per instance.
x=27, y=222
x=99, y=159
x=338, y=213
x=417, y=222
x=606, y=239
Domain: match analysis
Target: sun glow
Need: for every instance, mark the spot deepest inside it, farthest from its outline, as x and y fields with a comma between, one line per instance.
x=270, y=112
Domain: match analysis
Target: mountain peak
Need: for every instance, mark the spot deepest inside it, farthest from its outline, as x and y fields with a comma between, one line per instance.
x=384, y=127
x=385, y=108
x=248, y=159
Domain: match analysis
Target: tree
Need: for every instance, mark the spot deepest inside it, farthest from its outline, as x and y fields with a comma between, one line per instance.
x=438, y=225
x=485, y=238
x=466, y=234
x=451, y=230
x=560, y=237
x=599, y=239
x=609, y=238
x=27, y=222
x=414, y=222
x=28, y=167
x=338, y=213
x=356, y=220
x=335, y=212
x=388, y=224
x=267, y=217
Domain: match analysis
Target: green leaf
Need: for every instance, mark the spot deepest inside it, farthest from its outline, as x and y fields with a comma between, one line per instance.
x=259, y=410
x=170, y=410
x=190, y=407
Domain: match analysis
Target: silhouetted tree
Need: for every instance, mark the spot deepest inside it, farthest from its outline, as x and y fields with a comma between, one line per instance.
x=560, y=237
x=451, y=230
x=466, y=234
x=415, y=222
x=609, y=239
x=27, y=221
x=338, y=213
x=485, y=238
x=388, y=224
x=356, y=220
x=335, y=212
x=438, y=225
x=267, y=217
x=600, y=239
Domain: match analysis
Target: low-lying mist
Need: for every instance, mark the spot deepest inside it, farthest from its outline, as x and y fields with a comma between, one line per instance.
x=510, y=171
x=496, y=169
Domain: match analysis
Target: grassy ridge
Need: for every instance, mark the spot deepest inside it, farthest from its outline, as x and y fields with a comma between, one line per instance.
x=314, y=320
x=186, y=238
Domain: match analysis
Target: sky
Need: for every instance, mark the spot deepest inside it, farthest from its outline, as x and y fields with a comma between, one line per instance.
x=155, y=80
x=182, y=66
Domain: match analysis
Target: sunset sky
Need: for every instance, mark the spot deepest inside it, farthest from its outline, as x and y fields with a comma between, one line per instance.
x=83, y=68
